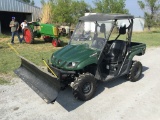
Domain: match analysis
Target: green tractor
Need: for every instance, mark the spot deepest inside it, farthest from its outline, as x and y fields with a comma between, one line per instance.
x=102, y=56
x=49, y=32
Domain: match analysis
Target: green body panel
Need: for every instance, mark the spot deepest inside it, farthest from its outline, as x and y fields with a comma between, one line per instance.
x=137, y=49
x=81, y=55
x=47, y=30
x=32, y=24
x=84, y=56
x=44, y=29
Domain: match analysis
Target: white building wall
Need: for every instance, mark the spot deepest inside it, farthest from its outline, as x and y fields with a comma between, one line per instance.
x=89, y=25
x=138, y=25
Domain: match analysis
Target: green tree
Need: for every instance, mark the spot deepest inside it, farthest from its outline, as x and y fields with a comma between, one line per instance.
x=61, y=11
x=78, y=9
x=32, y=2
x=42, y=2
x=27, y=1
x=68, y=11
x=110, y=6
x=150, y=8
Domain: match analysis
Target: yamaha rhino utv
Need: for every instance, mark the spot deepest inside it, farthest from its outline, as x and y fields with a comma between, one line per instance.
x=103, y=56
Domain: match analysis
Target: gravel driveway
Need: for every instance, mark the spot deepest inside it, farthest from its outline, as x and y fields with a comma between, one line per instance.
x=115, y=100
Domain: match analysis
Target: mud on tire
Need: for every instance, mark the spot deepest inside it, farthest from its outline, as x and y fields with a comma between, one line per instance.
x=84, y=87
x=135, y=71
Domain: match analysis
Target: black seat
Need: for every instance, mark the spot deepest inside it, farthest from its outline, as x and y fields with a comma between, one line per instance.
x=116, y=52
x=117, y=49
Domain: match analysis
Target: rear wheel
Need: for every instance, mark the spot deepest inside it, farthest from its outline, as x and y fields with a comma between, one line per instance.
x=135, y=71
x=84, y=87
x=28, y=35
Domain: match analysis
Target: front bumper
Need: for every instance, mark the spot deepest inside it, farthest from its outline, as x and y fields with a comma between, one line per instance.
x=60, y=72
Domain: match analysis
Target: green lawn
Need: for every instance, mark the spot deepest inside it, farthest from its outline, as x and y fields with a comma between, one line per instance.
x=151, y=39
x=9, y=61
x=35, y=52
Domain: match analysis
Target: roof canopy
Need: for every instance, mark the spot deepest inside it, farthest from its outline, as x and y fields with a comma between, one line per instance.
x=104, y=17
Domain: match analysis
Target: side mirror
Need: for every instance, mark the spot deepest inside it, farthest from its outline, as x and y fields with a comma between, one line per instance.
x=122, y=30
x=102, y=28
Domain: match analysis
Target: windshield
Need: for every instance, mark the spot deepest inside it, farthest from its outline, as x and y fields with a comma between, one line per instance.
x=93, y=34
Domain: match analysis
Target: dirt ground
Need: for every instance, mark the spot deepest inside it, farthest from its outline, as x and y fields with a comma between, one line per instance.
x=115, y=100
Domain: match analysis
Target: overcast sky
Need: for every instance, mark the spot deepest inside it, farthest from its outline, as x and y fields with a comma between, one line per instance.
x=131, y=5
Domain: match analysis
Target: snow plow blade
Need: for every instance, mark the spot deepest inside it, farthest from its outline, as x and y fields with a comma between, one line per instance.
x=43, y=83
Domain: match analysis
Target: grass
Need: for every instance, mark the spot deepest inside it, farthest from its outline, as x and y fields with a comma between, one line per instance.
x=151, y=39
x=9, y=61
x=3, y=36
x=3, y=81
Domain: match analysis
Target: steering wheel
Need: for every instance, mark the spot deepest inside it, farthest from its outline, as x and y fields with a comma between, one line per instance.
x=98, y=43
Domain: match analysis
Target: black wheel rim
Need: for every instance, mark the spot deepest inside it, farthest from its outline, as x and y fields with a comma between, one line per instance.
x=86, y=88
x=137, y=71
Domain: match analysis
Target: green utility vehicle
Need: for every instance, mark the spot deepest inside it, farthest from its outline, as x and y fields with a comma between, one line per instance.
x=102, y=56
x=36, y=29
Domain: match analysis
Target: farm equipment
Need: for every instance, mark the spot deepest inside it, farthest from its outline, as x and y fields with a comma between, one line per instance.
x=66, y=30
x=83, y=61
x=36, y=29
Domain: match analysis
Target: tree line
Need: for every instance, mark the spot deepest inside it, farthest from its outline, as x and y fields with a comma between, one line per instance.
x=68, y=11
x=151, y=12
x=31, y=2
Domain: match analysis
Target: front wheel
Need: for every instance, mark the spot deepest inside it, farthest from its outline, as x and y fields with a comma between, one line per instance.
x=135, y=71
x=84, y=87
x=56, y=43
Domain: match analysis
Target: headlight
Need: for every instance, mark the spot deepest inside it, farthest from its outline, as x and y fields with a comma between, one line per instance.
x=53, y=58
x=72, y=64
